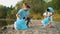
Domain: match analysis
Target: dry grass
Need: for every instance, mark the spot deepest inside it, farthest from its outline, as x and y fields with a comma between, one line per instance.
x=37, y=16
x=56, y=17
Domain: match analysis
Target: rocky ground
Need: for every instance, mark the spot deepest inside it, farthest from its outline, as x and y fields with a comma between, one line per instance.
x=35, y=28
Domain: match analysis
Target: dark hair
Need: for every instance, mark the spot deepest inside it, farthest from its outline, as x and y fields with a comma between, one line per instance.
x=28, y=6
x=48, y=10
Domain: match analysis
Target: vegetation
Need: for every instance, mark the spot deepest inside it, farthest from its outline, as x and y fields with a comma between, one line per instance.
x=38, y=7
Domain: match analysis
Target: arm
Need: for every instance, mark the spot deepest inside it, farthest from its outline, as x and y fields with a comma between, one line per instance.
x=50, y=14
x=18, y=14
x=44, y=15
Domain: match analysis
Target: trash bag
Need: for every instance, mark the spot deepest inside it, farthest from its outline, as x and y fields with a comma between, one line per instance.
x=20, y=24
x=46, y=21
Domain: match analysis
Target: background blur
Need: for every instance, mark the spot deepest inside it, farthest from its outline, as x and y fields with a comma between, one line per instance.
x=38, y=7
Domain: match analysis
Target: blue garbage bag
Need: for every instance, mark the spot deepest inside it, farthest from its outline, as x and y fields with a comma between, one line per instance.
x=21, y=24
x=46, y=21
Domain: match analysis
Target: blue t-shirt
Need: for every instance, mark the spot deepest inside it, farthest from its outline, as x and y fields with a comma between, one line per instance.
x=23, y=13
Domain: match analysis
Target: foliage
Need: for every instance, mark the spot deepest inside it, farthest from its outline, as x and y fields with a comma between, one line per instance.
x=37, y=9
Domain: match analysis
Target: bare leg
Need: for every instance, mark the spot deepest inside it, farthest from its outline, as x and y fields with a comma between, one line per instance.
x=49, y=25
